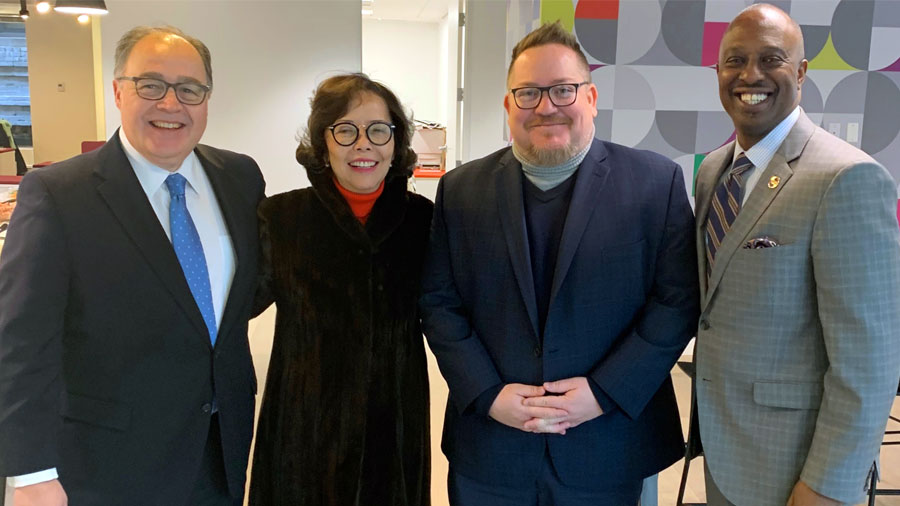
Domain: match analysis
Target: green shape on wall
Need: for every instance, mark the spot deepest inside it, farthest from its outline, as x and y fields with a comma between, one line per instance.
x=563, y=10
x=698, y=159
x=829, y=59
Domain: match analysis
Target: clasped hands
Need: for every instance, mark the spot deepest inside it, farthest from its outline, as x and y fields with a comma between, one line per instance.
x=553, y=407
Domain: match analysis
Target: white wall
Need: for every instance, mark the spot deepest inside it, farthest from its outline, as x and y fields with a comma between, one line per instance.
x=449, y=41
x=60, y=52
x=485, y=79
x=267, y=57
x=404, y=55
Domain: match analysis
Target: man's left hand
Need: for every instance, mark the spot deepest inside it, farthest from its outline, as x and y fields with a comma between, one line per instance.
x=575, y=397
x=802, y=495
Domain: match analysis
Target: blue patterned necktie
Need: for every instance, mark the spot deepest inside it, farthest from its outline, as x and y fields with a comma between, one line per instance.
x=724, y=208
x=189, y=250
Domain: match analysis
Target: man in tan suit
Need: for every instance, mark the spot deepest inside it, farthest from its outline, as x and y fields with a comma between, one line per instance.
x=797, y=352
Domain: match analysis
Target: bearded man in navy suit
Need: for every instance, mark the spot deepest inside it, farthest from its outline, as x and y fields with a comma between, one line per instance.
x=559, y=291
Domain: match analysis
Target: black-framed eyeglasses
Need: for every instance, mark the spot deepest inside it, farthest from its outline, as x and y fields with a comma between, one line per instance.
x=346, y=133
x=561, y=95
x=150, y=88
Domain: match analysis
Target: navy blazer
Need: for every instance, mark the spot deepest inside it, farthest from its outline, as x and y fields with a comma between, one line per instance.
x=624, y=303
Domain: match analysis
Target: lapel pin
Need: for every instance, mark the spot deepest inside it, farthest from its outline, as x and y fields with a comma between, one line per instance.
x=773, y=181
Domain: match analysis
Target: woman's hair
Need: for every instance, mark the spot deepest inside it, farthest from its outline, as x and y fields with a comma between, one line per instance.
x=332, y=99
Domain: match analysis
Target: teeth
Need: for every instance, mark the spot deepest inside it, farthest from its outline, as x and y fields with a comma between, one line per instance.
x=753, y=98
x=163, y=124
x=363, y=164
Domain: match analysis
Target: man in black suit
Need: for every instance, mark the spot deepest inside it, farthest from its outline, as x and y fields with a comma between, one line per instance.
x=559, y=291
x=125, y=290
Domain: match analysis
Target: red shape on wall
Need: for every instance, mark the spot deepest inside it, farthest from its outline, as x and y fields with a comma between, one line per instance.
x=712, y=37
x=597, y=9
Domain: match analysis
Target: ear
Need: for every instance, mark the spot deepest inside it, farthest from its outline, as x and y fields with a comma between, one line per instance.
x=592, y=98
x=801, y=71
x=506, y=102
x=117, y=92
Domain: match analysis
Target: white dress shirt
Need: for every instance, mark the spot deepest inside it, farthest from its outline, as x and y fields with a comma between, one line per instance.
x=762, y=152
x=207, y=216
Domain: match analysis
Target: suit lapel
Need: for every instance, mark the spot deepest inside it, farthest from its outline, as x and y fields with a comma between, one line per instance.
x=227, y=192
x=760, y=199
x=508, y=179
x=589, y=181
x=120, y=188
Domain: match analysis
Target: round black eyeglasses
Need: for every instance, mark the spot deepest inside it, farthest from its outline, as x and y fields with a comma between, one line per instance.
x=346, y=133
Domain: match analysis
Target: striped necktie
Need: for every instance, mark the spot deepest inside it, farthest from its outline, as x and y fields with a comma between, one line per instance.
x=189, y=250
x=725, y=206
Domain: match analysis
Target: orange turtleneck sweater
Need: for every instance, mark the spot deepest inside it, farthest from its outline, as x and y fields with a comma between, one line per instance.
x=360, y=203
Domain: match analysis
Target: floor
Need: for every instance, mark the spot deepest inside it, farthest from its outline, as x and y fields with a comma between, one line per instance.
x=668, y=480
x=261, y=343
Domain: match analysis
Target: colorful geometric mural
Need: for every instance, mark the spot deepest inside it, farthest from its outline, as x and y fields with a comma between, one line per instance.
x=654, y=62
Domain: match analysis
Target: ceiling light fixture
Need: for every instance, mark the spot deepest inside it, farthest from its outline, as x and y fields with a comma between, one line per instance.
x=42, y=7
x=84, y=19
x=23, y=12
x=90, y=7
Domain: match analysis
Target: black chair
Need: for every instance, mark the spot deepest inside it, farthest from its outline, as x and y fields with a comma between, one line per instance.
x=873, y=476
x=693, y=448
x=7, y=141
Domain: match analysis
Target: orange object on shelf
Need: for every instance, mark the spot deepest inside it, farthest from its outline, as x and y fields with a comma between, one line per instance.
x=428, y=172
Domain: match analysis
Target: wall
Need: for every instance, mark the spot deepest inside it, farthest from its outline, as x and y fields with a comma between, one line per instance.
x=61, y=51
x=268, y=56
x=484, y=118
x=448, y=77
x=653, y=63
x=404, y=55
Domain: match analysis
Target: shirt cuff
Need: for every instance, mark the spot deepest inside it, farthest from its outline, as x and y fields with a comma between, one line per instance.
x=32, y=479
x=482, y=404
x=605, y=402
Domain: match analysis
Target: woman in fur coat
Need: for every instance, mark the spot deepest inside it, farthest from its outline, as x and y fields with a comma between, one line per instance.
x=344, y=420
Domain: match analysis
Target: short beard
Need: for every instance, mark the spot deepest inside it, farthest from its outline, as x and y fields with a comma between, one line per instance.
x=549, y=157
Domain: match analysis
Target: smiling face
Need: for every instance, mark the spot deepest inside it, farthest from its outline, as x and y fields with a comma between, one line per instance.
x=549, y=135
x=163, y=131
x=760, y=71
x=361, y=166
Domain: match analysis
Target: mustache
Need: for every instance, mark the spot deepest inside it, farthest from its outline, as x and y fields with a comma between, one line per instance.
x=548, y=120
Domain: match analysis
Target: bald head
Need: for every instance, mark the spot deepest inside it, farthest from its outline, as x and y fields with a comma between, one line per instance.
x=759, y=15
x=760, y=71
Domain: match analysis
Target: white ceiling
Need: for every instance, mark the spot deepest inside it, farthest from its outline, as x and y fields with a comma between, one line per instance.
x=429, y=11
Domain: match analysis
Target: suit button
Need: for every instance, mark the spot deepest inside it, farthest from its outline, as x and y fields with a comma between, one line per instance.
x=537, y=351
x=207, y=408
x=704, y=325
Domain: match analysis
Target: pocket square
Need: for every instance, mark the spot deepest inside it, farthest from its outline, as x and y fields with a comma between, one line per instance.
x=760, y=242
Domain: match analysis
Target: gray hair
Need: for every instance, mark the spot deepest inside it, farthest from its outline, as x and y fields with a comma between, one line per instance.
x=136, y=34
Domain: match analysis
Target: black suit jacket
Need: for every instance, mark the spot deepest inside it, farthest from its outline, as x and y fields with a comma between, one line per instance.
x=106, y=367
x=623, y=304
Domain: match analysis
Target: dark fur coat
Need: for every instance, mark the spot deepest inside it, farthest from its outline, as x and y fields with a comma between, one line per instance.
x=345, y=418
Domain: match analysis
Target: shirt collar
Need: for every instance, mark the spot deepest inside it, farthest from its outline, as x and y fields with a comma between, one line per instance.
x=763, y=151
x=151, y=176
